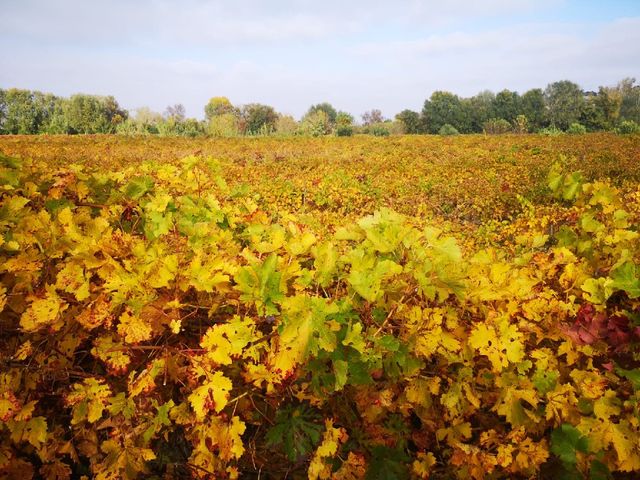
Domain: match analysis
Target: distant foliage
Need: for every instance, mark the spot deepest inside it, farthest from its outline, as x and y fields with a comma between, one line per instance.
x=448, y=129
x=558, y=106
x=344, y=131
x=496, y=126
x=577, y=128
x=521, y=124
x=628, y=127
x=316, y=124
x=552, y=131
x=286, y=125
x=378, y=130
x=411, y=121
x=223, y=125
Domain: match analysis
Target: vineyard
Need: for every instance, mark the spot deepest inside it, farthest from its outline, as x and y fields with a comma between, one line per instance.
x=323, y=308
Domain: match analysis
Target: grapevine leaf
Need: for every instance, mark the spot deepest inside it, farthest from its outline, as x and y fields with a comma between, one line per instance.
x=625, y=278
x=566, y=440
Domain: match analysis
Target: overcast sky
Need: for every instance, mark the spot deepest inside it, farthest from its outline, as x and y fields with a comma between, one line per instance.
x=356, y=54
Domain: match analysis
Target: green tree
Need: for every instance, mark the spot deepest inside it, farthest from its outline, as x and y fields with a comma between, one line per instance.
x=344, y=124
x=327, y=108
x=344, y=119
x=92, y=114
x=257, y=118
x=223, y=125
x=532, y=106
x=218, y=106
x=609, y=102
x=478, y=109
x=506, y=105
x=20, y=112
x=286, y=125
x=410, y=121
x=443, y=108
x=316, y=124
x=565, y=101
x=630, y=100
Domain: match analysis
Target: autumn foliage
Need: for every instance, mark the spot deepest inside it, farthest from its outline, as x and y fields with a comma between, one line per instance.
x=322, y=308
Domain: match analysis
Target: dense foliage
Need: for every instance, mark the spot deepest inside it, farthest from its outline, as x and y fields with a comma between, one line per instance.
x=561, y=106
x=460, y=307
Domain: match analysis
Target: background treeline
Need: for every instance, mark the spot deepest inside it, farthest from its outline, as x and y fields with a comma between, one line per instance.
x=561, y=107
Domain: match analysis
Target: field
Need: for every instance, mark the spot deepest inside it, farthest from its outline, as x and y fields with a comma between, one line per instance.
x=382, y=308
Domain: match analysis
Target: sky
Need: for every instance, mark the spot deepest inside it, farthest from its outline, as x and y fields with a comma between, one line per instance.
x=356, y=54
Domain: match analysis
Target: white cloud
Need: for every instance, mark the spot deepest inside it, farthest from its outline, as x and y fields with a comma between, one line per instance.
x=194, y=22
x=358, y=55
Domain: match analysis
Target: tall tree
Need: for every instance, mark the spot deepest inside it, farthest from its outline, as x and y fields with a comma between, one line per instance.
x=565, y=101
x=443, y=108
x=630, y=104
x=92, y=114
x=218, y=106
x=175, y=112
x=258, y=118
x=506, y=105
x=532, y=106
x=325, y=107
x=372, y=116
x=410, y=120
x=21, y=115
x=478, y=109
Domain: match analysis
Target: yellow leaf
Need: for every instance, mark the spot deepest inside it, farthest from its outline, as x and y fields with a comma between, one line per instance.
x=212, y=395
x=320, y=468
x=88, y=399
x=44, y=312
x=216, y=442
x=421, y=466
x=227, y=340
x=625, y=443
x=501, y=343
x=133, y=328
x=72, y=279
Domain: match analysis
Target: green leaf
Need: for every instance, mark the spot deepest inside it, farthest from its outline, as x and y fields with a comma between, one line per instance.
x=261, y=284
x=138, y=186
x=632, y=375
x=340, y=369
x=572, y=185
x=566, y=440
x=624, y=278
x=385, y=230
x=367, y=281
x=354, y=338
x=590, y=224
x=544, y=381
x=387, y=464
x=297, y=430
x=599, y=471
x=325, y=263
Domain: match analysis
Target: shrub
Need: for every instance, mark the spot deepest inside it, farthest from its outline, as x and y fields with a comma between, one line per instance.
x=521, y=124
x=286, y=125
x=550, y=131
x=344, y=131
x=315, y=124
x=225, y=125
x=448, y=129
x=627, y=127
x=379, y=131
x=577, y=129
x=496, y=126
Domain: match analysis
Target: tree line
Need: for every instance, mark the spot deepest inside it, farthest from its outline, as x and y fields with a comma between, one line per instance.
x=561, y=107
